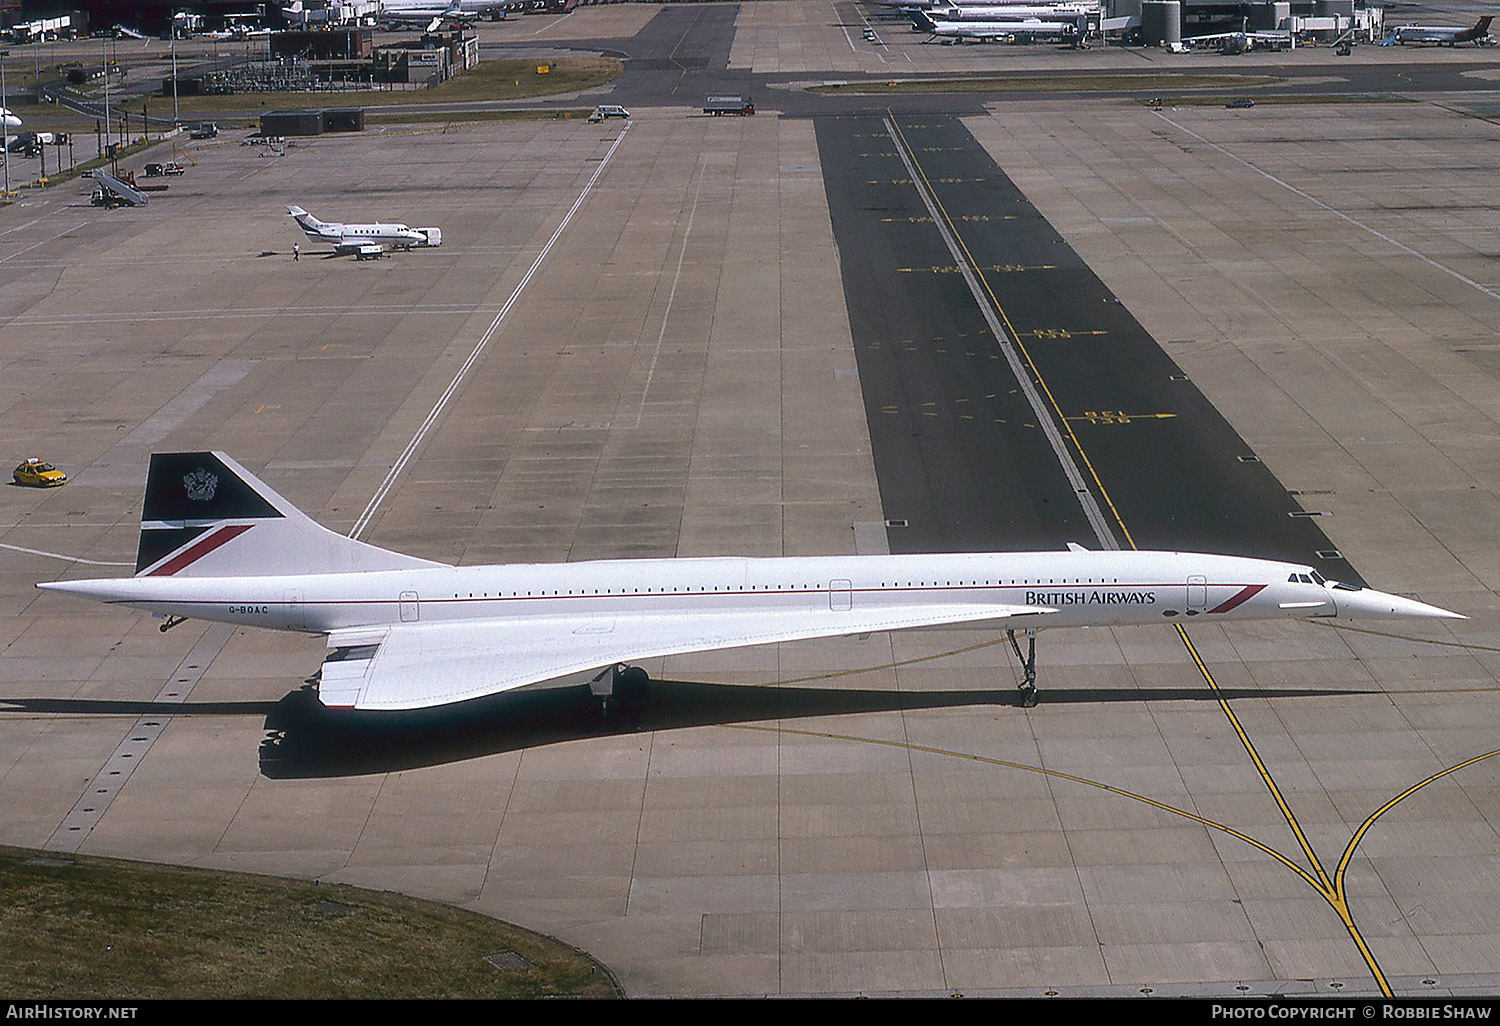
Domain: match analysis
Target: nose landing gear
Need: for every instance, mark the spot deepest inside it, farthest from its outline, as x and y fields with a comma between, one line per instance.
x=1028, y=666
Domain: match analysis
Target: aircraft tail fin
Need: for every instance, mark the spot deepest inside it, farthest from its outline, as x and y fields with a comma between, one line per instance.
x=206, y=516
x=311, y=226
x=1484, y=25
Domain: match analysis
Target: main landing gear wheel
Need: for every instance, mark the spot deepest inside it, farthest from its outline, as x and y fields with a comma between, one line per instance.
x=1028, y=666
x=621, y=690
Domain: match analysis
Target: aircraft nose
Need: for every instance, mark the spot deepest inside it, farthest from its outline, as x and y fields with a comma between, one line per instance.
x=1367, y=602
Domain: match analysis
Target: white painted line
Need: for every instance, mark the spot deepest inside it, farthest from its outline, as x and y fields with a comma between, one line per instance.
x=156, y=317
x=552, y=24
x=34, y=245
x=1382, y=236
x=847, y=38
x=452, y=389
x=859, y=11
x=62, y=555
x=671, y=299
x=28, y=224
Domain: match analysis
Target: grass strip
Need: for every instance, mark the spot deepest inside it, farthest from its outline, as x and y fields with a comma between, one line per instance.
x=77, y=927
x=508, y=79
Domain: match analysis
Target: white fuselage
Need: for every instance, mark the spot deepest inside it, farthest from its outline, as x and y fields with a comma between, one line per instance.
x=1419, y=34
x=1452, y=35
x=1076, y=588
x=430, y=8
x=349, y=235
x=361, y=238
x=1009, y=12
x=402, y=12
x=1018, y=28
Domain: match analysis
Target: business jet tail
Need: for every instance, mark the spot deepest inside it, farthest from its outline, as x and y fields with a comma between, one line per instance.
x=310, y=225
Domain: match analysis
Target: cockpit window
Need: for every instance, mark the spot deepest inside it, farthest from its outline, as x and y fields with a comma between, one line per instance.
x=1304, y=579
x=1319, y=578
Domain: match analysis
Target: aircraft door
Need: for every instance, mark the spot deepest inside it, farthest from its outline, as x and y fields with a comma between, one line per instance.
x=1197, y=594
x=411, y=610
x=840, y=596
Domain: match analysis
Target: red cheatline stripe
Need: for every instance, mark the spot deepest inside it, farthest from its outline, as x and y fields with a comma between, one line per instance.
x=200, y=549
x=1237, y=598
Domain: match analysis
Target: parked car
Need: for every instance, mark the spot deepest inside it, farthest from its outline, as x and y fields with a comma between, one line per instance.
x=39, y=474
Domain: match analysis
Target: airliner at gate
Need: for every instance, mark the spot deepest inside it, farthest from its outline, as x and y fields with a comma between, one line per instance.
x=218, y=544
x=1446, y=35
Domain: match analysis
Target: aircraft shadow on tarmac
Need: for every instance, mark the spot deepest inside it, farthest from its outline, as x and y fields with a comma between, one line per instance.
x=306, y=739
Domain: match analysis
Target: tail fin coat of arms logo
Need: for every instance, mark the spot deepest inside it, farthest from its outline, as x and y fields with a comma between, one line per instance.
x=200, y=485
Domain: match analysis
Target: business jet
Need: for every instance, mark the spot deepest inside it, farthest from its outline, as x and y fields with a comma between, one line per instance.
x=406, y=633
x=9, y=120
x=1449, y=35
x=364, y=240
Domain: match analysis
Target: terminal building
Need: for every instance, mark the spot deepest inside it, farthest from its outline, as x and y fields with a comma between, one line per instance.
x=1169, y=22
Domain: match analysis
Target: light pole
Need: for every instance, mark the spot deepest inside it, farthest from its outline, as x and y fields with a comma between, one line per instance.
x=104, y=49
x=4, y=133
x=174, y=80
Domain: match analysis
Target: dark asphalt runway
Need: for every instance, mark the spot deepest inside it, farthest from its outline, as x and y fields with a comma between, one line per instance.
x=951, y=431
x=958, y=450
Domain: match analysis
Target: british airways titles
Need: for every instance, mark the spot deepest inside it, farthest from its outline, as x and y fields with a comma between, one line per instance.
x=1090, y=598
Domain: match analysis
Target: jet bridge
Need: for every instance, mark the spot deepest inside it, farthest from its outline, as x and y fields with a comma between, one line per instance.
x=116, y=192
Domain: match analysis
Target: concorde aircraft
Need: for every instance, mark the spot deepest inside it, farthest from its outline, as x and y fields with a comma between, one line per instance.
x=1449, y=35
x=409, y=633
x=363, y=239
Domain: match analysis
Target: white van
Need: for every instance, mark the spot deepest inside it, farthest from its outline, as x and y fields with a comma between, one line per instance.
x=608, y=110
